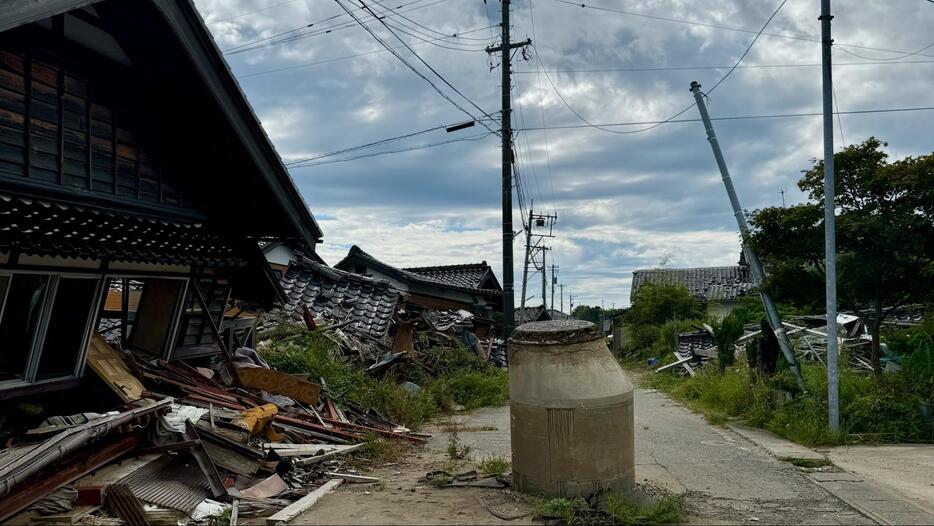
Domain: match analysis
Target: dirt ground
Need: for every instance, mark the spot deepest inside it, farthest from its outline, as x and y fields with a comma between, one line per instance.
x=403, y=499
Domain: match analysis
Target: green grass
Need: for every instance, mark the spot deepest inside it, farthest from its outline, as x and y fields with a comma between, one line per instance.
x=612, y=508
x=457, y=450
x=494, y=465
x=455, y=376
x=887, y=410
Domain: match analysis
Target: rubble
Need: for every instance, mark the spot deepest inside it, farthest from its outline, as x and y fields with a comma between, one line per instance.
x=189, y=447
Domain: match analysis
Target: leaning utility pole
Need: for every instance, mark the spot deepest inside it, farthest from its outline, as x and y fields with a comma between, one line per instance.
x=830, y=236
x=754, y=265
x=508, y=289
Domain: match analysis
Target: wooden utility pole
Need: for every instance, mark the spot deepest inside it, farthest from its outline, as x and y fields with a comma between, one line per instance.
x=508, y=288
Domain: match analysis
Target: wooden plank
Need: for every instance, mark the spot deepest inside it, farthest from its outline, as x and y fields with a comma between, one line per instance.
x=312, y=460
x=355, y=479
x=304, y=504
x=309, y=450
x=109, y=365
x=273, y=381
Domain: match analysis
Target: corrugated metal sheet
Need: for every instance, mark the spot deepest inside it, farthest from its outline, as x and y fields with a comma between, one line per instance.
x=173, y=481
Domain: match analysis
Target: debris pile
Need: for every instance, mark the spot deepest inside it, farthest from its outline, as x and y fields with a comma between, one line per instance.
x=186, y=444
x=372, y=322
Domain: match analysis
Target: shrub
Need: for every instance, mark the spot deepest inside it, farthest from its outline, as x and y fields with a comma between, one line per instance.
x=457, y=376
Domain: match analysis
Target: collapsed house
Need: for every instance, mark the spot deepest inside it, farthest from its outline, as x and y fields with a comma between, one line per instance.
x=718, y=289
x=374, y=322
x=471, y=287
x=126, y=148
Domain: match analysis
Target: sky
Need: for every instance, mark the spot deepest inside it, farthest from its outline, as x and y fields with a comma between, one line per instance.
x=623, y=201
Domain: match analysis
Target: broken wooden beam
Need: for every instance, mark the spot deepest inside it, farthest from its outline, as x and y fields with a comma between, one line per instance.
x=303, y=504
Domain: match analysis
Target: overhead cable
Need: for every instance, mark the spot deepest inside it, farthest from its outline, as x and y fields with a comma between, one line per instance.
x=414, y=69
x=802, y=38
x=683, y=111
x=734, y=118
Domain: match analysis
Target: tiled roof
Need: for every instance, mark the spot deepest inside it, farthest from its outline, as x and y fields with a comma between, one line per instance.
x=704, y=283
x=536, y=313
x=468, y=276
x=339, y=296
x=431, y=276
x=41, y=227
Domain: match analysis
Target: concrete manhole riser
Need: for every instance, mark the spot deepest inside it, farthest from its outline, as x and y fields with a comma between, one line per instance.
x=571, y=411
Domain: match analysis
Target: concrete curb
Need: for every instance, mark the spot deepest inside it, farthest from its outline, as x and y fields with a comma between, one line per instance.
x=869, y=498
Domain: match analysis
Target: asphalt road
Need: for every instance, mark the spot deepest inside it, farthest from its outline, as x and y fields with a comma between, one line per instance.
x=727, y=478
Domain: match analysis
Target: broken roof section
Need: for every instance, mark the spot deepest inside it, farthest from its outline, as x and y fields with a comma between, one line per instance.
x=366, y=303
x=708, y=284
x=477, y=276
x=458, y=277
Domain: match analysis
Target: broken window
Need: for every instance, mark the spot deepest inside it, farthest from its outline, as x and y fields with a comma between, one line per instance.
x=22, y=313
x=67, y=327
x=44, y=324
x=155, y=316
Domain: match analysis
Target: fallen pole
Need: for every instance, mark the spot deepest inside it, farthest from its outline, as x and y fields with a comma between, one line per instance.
x=755, y=266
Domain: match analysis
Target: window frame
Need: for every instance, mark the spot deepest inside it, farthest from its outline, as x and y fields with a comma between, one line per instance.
x=38, y=340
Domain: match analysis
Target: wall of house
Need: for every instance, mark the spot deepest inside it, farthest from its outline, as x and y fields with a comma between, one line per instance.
x=69, y=118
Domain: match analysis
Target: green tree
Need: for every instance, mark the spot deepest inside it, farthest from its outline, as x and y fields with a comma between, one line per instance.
x=885, y=236
x=656, y=304
x=726, y=332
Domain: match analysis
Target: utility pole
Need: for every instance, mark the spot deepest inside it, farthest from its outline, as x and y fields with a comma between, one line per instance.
x=571, y=303
x=554, y=280
x=562, y=297
x=544, y=278
x=830, y=236
x=508, y=289
x=525, y=266
x=755, y=266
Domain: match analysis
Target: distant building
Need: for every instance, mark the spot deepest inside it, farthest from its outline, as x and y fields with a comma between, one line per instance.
x=718, y=288
x=472, y=286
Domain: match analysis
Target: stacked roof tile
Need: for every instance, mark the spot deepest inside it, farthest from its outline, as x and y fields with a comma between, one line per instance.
x=41, y=227
x=709, y=284
x=339, y=296
x=469, y=276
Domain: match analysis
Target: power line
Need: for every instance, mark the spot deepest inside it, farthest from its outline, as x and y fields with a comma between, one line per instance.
x=676, y=115
x=541, y=107
x=478, y=137
x=723, y=27
x=426, y=28
x=251, y=12
x=735, y=118
x=337, y=59
x=243, y=48
x=411, y=67
x=889, y=59
x=420, y=59
x=370, y=144
x=701, y=68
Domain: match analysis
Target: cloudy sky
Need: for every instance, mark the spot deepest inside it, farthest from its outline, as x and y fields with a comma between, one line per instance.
x=624, y=201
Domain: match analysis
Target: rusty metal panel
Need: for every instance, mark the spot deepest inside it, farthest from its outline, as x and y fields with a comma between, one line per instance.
x=173, y=481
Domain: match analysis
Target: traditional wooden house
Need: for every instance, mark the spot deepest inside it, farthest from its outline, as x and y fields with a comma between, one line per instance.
x=719, y=289
x=130, y=163
x=471, y=287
